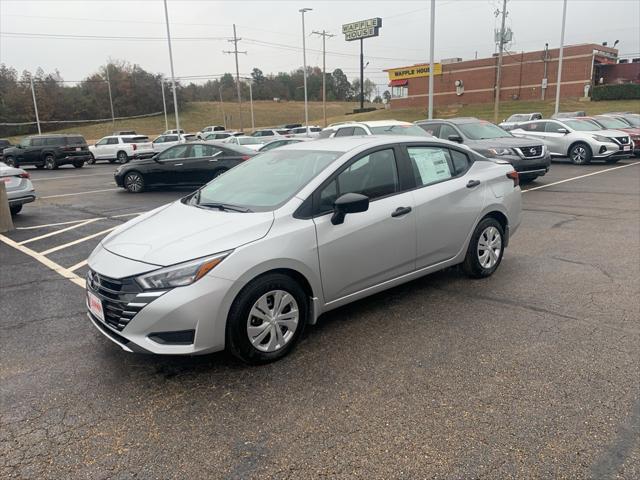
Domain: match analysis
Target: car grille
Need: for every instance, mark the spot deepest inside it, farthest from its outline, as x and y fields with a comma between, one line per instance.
x=531, y=152
x=121, y=299
x=623, y=140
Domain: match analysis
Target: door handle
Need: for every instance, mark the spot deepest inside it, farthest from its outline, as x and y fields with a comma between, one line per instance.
x=400, y=211
x=213, y=160
x=473, y=183
x=178, y=164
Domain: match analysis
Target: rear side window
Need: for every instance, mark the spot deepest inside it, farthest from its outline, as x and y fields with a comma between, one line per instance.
x=552, y=127
x=284, y=132
x=534, y=127
x=446, y=131
x=459, y=161
x=37, y=142
x=315, y=129
x=430, y=164
x=431, y=128
x=325, y=133
x=53, y=141
x=359, y=131
x=76, y=140
x=344, y=132
x=112, y=141
x=135, y=139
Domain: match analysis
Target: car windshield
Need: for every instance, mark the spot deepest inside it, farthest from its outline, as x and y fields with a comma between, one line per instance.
x=482, y=131
x=410, y=130
x=249, y=141
x=266, y=181
x=633, y=119
x=582, y=125
x=520, y=117
x=610, y=122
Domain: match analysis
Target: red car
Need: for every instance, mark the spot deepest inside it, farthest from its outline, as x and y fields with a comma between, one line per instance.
x=618, y=122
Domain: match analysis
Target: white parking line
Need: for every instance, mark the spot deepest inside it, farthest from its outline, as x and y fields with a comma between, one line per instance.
x=580, y=176
x=78, y=265
x=65, y=272
x=71, y=176
x=79, y=240
x=50, y=234
x=34, y=227
x=79, y=193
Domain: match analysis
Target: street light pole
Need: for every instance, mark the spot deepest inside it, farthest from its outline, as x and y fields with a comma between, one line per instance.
x=431, y=61
x=164, y=104
x=113, y=117
x=304, y=65
x=173, y=77
x=35, y=104
x=564, y=19
x=253, y=124
x=324, y=35
x=496, y=105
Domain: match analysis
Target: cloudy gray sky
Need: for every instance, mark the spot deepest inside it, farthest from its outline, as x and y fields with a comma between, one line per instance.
x=76, y=37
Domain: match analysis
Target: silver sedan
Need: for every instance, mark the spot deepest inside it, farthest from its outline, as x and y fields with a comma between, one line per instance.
x=248, y=260
x=19, y=187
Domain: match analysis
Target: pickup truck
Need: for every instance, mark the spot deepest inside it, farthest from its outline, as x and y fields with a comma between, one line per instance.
x=121, y=148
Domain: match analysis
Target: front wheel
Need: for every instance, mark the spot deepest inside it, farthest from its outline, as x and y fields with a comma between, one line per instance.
x=92, y=160
x=134, y=182
x=580, y=154
x=10, y=162
x=485, y=249
x=50, y=162
x=267, y=319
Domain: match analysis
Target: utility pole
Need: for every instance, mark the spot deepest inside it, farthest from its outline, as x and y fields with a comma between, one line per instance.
x=564, y=19
x=304, y=66
x=361, y=74
x=496, y=105
x=324, y=35
x=432, y=64
x=35, y=104
x=253, y=123
x=236, y=52
x=545, y=59
x=164, y=104
x=173, y=77
x=224, y=116
x=113, y=117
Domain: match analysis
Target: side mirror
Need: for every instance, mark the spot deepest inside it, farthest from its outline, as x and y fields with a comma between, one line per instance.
x=563, y=130
x=455, y=138
x=348, y=203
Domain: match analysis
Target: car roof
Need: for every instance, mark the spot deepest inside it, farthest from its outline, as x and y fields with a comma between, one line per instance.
x=345, y=144
x=455, y=121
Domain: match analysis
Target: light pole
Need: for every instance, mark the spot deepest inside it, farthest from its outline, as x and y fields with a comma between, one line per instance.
x=431, y=61
x=250, y=81
x=164, y=104
x=35, y=104
x=304, y=65
x=173, y=77
x=564, y=19
x=113, y=117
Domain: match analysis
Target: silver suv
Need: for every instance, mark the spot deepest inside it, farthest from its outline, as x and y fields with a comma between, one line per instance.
x=245, y=262
x=579, y=139
x=376, y=127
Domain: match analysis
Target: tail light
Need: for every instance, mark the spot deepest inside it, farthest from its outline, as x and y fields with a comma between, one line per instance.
x=245, y=157
x=135, y=146
x=513, y=175
x=25, y=175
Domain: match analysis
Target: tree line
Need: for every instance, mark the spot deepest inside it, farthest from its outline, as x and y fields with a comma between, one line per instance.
x=137, y=92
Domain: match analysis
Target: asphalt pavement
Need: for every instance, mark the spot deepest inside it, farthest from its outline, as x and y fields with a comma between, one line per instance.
x=531, y=373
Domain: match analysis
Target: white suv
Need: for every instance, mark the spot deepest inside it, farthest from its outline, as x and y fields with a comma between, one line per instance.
x=376, y=127
x=121, y=148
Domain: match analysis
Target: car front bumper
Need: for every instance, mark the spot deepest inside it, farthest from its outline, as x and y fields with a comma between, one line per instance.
x=200, y=309
x=529, y=166
x=610, y=150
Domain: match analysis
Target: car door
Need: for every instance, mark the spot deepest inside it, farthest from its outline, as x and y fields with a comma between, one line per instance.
x=370, y=247
x=99, y=149
x=556, y=141
x=169, y=170
x=111, y=148
x=447, y=201
x=201, y=165
x=33, y=153
x=158, y=144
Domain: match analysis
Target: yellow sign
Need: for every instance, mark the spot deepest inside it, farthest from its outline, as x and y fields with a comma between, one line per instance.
x=413, y=72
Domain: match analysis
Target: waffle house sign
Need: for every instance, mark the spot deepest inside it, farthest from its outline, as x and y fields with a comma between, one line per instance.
x=362, y=29
x=413, y=71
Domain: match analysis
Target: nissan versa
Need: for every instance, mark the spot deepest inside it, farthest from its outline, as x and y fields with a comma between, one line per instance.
x=246, y=261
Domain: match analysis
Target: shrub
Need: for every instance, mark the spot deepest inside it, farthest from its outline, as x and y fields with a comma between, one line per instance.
x=624, y=91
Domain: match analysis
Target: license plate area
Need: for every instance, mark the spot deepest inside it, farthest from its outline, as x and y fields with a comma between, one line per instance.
x=95, y=306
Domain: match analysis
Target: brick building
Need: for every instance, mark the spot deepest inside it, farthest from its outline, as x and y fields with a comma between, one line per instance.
x=473, y=81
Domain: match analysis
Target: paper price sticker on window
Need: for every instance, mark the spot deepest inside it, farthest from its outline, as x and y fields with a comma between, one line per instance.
x=431, y=163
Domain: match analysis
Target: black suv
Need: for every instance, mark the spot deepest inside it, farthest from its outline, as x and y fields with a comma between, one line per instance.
x=48, y=151
x=4, y=143
x=530, y=158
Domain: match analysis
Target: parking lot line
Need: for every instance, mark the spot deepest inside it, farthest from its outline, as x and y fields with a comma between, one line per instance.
x=50, y=234
x=78, y=193
x=78, y=265
x=46, y=225
x=79, y=240
x=45, y=261
x=580, y=176
x=66, y=177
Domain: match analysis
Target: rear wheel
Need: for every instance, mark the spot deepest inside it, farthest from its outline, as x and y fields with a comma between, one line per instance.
x=134, y=182
x=10, y=162
x=91, y=160
x=122, y=157
x=50, y=162
x=15, y=209
x=267, y=319
x=485, y=249
x=580, y=154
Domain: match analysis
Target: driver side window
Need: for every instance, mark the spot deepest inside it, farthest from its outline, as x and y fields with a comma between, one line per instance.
x=101, y=142
x=179, y=151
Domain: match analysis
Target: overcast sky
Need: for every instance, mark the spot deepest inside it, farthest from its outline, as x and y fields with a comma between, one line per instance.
x=272, y=33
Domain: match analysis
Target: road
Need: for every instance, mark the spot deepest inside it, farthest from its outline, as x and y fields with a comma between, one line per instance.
x=532, y=373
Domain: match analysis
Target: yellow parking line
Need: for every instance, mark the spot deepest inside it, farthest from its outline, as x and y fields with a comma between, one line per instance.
x=75, y=242
x=65, y=272
x=50, y=234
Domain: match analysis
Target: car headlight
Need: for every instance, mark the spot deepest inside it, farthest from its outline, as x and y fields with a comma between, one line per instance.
x=499, y=151
x=600, y=138
x=182, y=274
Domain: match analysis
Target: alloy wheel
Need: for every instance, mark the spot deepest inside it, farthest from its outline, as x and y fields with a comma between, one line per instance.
x=273, y=320
x=489, y=246
x=122, y=157
x=134, y=182
x=579, y=154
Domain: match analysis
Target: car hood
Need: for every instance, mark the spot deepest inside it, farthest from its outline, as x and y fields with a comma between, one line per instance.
x=504, y=142
x=177, y=232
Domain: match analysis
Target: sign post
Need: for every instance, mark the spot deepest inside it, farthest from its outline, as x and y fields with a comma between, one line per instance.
x=359, y=31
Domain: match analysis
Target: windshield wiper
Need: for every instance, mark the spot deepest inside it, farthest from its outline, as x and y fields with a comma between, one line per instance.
x=224, y=207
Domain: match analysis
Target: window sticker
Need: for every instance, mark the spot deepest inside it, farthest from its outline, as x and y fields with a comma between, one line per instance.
x=431, y=163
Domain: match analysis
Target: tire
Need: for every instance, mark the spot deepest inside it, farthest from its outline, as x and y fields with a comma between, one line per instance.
x=10, y=162
x=133, y=182
x=480, y=265
x=50, y=162
x=580, y=154
x=92, y=160
x=258, y=296
x=122, y=157
x=15, y=209
x=78, y=164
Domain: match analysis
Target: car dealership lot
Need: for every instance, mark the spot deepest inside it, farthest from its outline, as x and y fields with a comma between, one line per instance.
x=532, y=372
